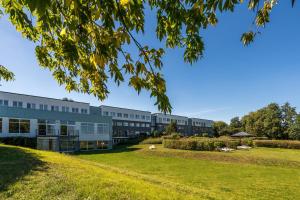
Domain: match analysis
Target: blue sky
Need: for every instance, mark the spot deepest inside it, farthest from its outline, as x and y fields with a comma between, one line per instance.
x=230, y=80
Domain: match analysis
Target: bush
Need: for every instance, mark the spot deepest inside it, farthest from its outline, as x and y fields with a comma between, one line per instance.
x=200, y=144
x=20, y=141
x=151, y=140
x=247, y=141
x=287, y=144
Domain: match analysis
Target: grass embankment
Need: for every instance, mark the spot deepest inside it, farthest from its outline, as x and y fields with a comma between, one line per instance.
x=139, y=173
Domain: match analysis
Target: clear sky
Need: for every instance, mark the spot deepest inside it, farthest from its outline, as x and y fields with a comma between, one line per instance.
x=230, y=80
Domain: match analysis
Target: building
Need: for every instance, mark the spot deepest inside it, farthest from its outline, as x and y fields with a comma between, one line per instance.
x=127, y=123
x=186, y=126
x=200, y=126
x=160, y=121
x=57, y=124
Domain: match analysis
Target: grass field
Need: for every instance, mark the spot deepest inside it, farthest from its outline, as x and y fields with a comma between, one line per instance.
x=138, y=173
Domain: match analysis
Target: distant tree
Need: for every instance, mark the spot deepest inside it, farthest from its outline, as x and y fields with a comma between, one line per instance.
x=235, y=125
x=171, y=128
x=288, y=117
x=265, y=122
x=294, y=132
x=220, y=128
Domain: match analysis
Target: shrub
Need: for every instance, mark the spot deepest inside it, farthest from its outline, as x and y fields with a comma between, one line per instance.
x=200, y=144
x=151, y=140
x=247, y=141
x=20, y=141
x=287, y=144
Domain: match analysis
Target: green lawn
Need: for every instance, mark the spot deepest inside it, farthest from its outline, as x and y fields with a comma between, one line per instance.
x=139, y=173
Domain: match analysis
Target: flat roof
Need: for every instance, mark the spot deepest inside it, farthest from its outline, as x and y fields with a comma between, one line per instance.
x=124, y=108
x=169, y=115
x=42, y=97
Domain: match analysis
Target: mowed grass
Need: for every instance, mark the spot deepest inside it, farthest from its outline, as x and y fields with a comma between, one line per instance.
x=139, y=173
x=260, y=173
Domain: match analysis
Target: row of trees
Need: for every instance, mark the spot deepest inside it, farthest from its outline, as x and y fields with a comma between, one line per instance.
x=273, y=121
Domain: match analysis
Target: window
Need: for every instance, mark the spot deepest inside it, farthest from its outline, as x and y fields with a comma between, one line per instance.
x=0, y=125
x=46, y=127
x=125, y=123
x=87, y=128
x=137, y=116
x=142, y=125
x=16, y=104
x=168, y=119
x=131, y=124
x=147, y=117
x=147, y=125
x=75, y=110
x=65, y=109
x=3, y=102
x=125, y=115
x=102, y=128
x=131, y=116
x=19, y=126
x=159, y=120
x=137, y=124
x=43, y=107
x=30, y=106
x=119, y=123
x=113, y=114
x=143, y=117
x=105, y=113
x=67, y=128
x=83, y=111
x=119, y=114
x=54, y=108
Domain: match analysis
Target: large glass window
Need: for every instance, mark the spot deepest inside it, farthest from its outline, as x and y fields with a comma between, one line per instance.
x=19, y=126
x=119, y=114
x=24, y=126
x=46, y=127
x=67, y=128
x=125, y=115
x=102, y=128
x=87, y=128
x=119, y=124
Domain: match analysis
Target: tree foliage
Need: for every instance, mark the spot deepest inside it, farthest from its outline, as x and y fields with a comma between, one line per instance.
x=6, y=74
x=81, y=41
x=272, y=121
x=171, y=128
x=220, y=128
x=235, y=125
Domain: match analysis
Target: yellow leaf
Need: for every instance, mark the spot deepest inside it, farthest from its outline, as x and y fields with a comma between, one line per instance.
x=124, y=2
x=63, y=32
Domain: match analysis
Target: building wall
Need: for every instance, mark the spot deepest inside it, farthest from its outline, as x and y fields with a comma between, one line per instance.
x=128, y=123
x=37, y=101
x=161, y=121
x=57, y=118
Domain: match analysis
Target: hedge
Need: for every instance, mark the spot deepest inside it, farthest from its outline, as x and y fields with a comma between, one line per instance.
x=202, y=144
x=20, y=141
x=287, y=144
x=151, y=140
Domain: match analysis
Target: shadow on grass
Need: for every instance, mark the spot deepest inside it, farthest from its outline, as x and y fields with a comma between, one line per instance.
x=15, y=163
x=116, y=149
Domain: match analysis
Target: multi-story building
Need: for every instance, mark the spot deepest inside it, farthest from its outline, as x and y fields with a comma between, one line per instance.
x=58, y=125
x=160, y=121
x=127, y=123
x=200, y=126
x=186, y=126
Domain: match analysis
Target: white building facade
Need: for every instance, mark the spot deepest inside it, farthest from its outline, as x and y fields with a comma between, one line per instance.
x=58, y=125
